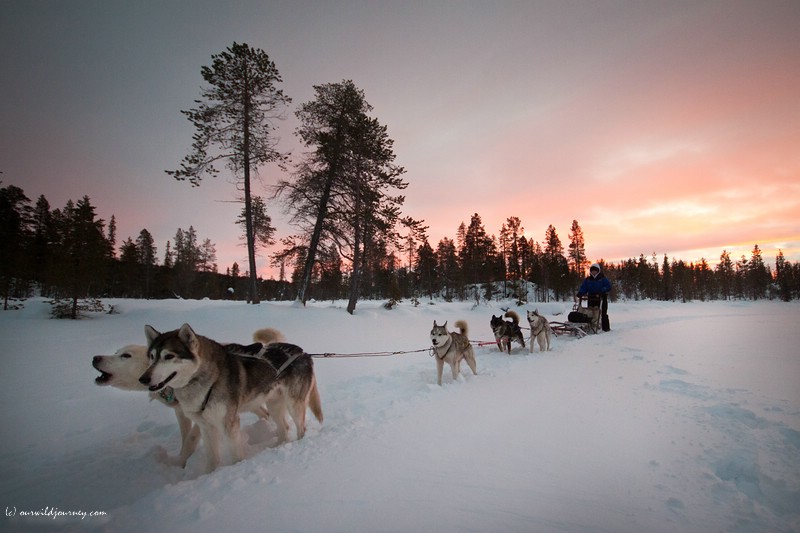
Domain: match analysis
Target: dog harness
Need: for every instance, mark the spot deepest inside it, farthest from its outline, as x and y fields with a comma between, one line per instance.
x=288, y=362
x=205, y=401
x=446, y=346
x=536, y=333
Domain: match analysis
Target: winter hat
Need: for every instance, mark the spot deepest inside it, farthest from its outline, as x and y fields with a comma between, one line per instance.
x=595, y=266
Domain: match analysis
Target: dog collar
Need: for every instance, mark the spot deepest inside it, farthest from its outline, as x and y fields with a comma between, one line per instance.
x=168, y=394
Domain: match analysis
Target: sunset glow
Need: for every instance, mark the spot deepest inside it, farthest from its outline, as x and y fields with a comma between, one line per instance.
x=662, y=127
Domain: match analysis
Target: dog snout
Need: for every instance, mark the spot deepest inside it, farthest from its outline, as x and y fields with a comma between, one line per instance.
x=435, y=342
x=145, y=379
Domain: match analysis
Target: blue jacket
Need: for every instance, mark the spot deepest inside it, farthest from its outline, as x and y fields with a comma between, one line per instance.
x=596, y=285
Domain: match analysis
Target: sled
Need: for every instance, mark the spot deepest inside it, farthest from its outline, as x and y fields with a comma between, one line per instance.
x=567, y=328
x=579, y=322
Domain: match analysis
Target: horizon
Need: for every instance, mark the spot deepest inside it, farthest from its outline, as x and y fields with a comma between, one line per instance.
x=736, y=251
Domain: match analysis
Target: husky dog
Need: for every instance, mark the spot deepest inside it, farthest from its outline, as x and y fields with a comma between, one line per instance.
x=506, y=331
x=213, y=388
x=452, y=348
x=267, y=336
x=123, y=369
x=540, y=330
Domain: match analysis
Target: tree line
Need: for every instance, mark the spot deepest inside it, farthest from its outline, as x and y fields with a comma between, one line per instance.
x=69, y=254
x=344, y=196
x=477, y=265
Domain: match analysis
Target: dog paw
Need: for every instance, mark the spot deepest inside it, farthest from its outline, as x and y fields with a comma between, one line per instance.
x=162, y=456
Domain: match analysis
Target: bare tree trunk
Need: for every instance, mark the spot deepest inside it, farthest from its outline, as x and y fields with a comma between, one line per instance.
x=302, y=293
x=355, y=278
x=253, y=297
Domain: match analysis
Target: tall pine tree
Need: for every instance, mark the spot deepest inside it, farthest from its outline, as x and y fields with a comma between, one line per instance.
x=236, y=115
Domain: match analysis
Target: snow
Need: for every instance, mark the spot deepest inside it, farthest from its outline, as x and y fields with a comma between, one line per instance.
x=685, y=417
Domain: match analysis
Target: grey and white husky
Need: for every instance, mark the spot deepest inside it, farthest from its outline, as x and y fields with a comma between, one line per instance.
x=540, y=330
x=506, y=331
x=123, y=369
x=213, y=388
x=452, y=348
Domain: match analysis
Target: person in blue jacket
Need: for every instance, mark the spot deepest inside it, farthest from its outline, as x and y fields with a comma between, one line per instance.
x=597, y=286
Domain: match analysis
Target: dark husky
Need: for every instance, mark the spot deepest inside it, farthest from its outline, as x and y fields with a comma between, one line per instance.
x=213, y=388
x=506, y=331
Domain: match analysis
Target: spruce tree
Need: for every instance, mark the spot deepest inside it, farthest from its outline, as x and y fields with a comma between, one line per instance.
x=236, y=115
x=340, y=192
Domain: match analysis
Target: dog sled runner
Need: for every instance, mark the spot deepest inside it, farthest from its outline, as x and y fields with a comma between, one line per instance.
x=568, y=328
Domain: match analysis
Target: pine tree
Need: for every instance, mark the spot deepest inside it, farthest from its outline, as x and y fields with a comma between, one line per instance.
x=83, y=250
x=187, y=261
x=129, y=269
x=757, y=276
x=555, y=266
x=263, y=230
x=704, y=280
x=783, y=277
x=425, y=268
x=15, y=233
x=577, y=250
x=236, y=114
x=45, y=239
x=475, y=252
x=725, y=275
x=449, y=274
x=340, y=191
x=207, y=256
x=169, y=256
x=666, y=283
x=510, y=235
x=112, y=237
x=146, y=257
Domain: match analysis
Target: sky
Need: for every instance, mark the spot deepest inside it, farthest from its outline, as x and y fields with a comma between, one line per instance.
x=662, y=127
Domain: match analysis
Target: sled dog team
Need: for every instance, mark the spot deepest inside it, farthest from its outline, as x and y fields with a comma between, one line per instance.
x=453, y=347
x=209, y=384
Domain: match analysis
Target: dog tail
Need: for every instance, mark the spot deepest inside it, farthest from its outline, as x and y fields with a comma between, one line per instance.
x=268, y=336
x=314, y=402
x=462, y=326
x=513, y=316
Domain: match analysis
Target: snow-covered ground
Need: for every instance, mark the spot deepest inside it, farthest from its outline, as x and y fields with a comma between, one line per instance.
x=686, y=417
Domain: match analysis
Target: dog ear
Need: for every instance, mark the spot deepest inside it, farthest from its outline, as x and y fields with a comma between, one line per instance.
x=150, y=333
x=188, y=337
x=434, y=324
x=445, y=324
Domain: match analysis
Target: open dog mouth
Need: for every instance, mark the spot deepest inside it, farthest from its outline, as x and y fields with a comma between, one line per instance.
x=163, y=384
x=104, y=376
